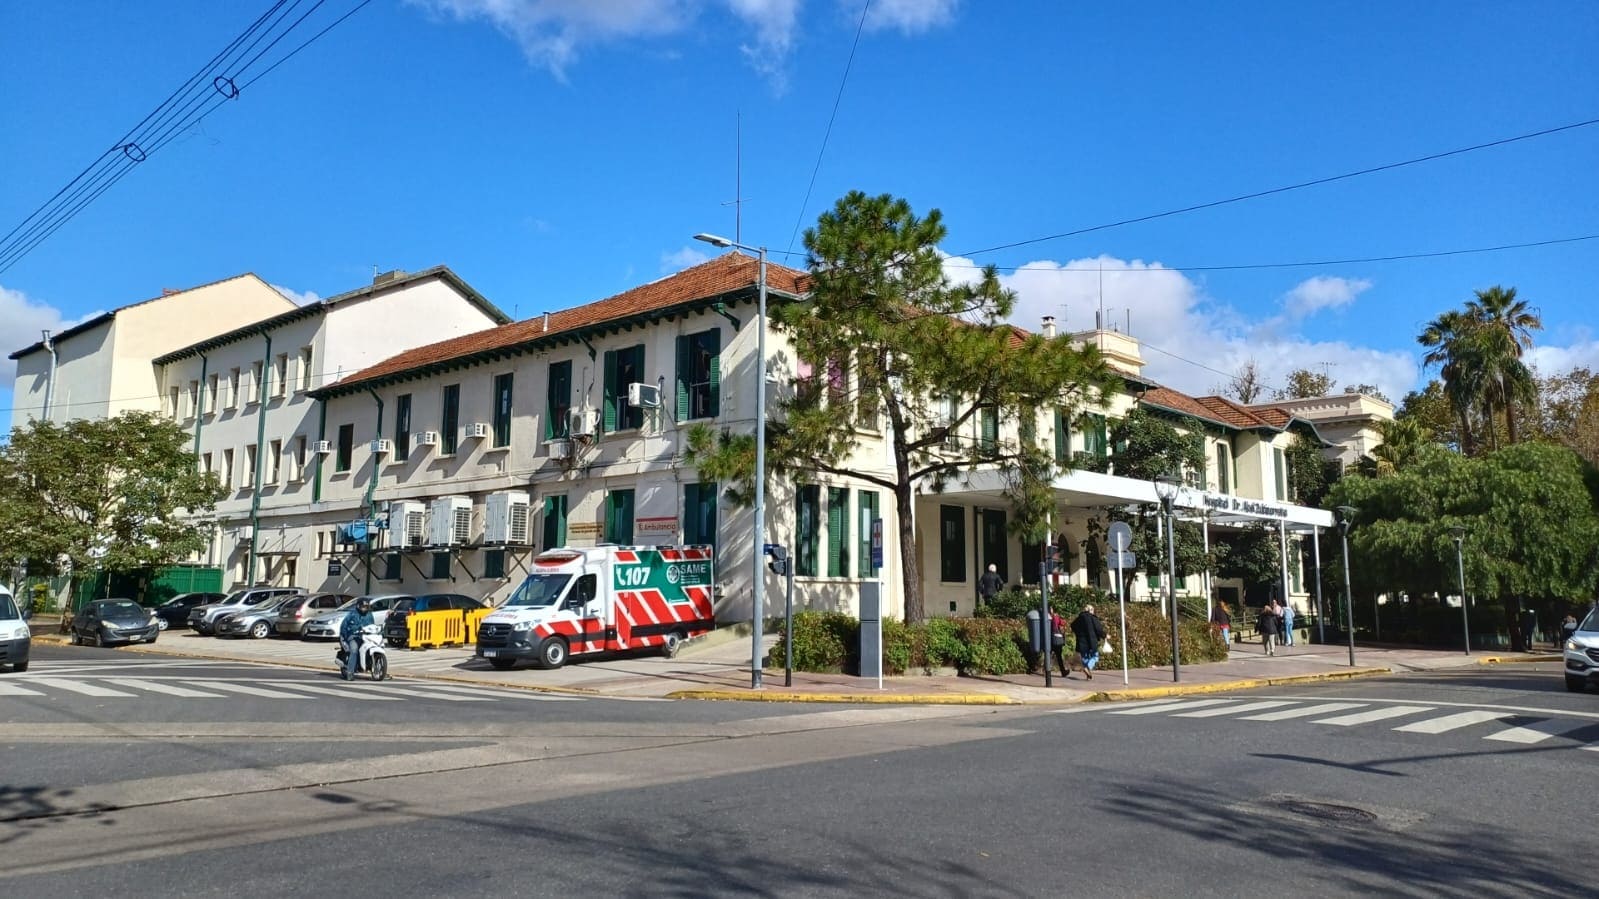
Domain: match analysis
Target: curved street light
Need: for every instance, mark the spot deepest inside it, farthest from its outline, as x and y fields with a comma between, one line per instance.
x=1166, y=487
x=1346, y=519
x=1459, y=534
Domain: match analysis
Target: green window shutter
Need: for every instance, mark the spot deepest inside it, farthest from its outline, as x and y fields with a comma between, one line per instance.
x=837, y=532
x=1032, y=558
x=866, y=502
x=1027, y=427
x=554, y=521
x=685, y=365
x=951, y=544
x=624, y=517
x=1063, y=437
x=807, y=530
x=990, y=419
x=610, y=391
x=716, y=373
x=558, y=400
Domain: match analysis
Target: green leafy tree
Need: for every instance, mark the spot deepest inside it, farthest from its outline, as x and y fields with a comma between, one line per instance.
x=1370, y=390
x=1402, y=442
x=1568, y=412
x=1448, y=339
x=1305, y=384
x=1430, y=409
x=899, y=353
x=1148, y=446
x=1310, y=472
x=118, y=494
x=1509, y=323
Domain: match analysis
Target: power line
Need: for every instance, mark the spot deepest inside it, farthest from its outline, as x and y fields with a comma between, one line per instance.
x=1431, y=157
x=861, y=26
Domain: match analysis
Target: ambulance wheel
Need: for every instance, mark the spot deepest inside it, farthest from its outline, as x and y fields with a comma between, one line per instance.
x=674, y=642
x=502, y=664
x=553, y=653
x=380, y=667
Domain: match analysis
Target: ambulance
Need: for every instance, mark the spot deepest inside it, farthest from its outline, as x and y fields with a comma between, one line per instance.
x=605, y=598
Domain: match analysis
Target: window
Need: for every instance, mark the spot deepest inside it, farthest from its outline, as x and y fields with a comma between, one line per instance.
x=256, y=387
x=951, y=410
x=346, y=448
x=807, y=529
x=1032, y=559
x=227, y=468
x=1027, y=427
x=441, y=567
x=838, y=532
x=699, y=513
x=554, y=521
x=1063, y=436
x=989, y=418
x=402, y=427
x=194, y=398
x=838, y=382
x=1224, y=466
x=205, y=463
x=251, y=471
x=558, y=400
x=866, y=504
x=299, y=458
x=280, y=374
x=502, y=409
x=211, y=394
x=622, y=367
x=699, y=375
x=951, y=544
x=450, y=420
x=274, y=462
x=619, y=517
x=305, y=368
x=389, y=567
x=232, y=400
x=174, y=405
x=494, y=563
x=868, y=399
x=1095, y=442
x=1280, y=463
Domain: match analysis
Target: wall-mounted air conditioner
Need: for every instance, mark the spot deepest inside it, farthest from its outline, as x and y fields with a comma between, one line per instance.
x=244, y=532
x=560, y=448
x=427, y=438
x=644, y=396
x=477, y=430
x=506, y=518
x=581, y=423
x=322, y=447
x=382, y=446
x=450, y=521
x=406, y=523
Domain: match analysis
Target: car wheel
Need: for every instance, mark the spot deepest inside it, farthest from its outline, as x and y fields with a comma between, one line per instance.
x=96, y=640
x=260, y=630
x=161, y=624
x=674, y=642
x=19, y=667
x=503, y=664
x=380, y=667
x=552, y=654
x=1576, y=684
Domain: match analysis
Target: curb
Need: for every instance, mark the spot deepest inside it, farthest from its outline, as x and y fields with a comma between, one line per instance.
x=1518, y=659
x=848, y=698
x=1225, y=686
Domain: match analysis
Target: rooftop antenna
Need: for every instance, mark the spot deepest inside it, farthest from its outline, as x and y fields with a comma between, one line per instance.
x=738, y=179
x=1100, y=325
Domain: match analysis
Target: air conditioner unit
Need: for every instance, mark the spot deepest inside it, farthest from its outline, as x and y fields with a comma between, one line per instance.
x=645, y=396
x=560, y=448
x=406, y=519
x=477, y=430
x=581, y=423
x=382, y=447
x=322, y=447
x=506, y=518
x=427, y=438
x=450, y=521
x=244, y=532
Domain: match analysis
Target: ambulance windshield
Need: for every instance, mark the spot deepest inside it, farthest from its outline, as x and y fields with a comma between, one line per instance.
x=539, y=590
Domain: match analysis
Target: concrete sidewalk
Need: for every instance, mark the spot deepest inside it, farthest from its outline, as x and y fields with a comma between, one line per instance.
x=718, y=668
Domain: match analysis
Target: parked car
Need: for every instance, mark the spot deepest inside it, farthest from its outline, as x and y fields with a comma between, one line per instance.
x=255, y=622
x=1582, y=654
x=175, y=611
x=106, y=622
x=394, y=629
x=326, y=626
x=203, y=618
x=293, y=615
x=15, y=638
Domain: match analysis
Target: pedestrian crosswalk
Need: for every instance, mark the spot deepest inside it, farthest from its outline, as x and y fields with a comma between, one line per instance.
x=1517, y=726
x=212, y=686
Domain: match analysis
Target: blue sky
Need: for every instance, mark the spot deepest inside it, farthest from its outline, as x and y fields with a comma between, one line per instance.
x=557, y=151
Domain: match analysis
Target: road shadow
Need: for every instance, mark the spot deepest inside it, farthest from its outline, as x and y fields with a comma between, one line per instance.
x=26, y=810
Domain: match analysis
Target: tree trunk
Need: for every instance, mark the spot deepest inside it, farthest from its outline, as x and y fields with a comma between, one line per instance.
x=1467, y=446
x=1510, y=420
x=910, y=574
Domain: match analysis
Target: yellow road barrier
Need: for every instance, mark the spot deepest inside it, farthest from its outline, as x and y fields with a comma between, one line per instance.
x=430, y=629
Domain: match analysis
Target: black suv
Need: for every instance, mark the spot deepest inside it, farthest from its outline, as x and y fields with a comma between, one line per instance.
x=394, y=628
x=175, y=611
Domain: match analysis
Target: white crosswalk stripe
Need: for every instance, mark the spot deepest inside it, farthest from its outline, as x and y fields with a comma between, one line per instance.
x=1377, y=714
x=248, y=690
x=87, y=689
x=1452, y=722
x=335, y=691
x=1538, y=732
x=1233, y=710
x=210, y=686
x=430, y=693
x=1320, y=708
x=156, y=686
x=1159, y=707
x=15, y=690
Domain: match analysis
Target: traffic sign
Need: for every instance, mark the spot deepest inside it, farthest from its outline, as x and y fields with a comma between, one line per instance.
x=1120, y=536
x=877, y=543
x=1121, y=560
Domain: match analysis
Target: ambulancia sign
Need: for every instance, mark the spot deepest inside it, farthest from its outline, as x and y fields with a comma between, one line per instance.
x=1245, y=506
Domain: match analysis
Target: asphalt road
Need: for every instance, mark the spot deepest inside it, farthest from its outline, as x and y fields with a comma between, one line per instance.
x=1472, y=782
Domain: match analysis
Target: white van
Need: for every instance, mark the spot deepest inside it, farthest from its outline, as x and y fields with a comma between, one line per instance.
x=15, y=638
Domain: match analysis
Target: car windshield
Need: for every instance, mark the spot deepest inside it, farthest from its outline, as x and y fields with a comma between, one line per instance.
x=539, y=590
x=119, y=608
x=235, y=597
x=403, y=605
x=1591, y=623
x=8, y=609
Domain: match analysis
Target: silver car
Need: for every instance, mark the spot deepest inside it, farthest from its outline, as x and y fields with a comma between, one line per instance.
x=293, y=615
x=254, y=622
x=326, y=626
x=202, y=619
x=1582, y=654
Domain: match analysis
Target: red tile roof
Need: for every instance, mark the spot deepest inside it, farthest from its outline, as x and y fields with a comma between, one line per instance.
x=725, y=274
x=1220, y=409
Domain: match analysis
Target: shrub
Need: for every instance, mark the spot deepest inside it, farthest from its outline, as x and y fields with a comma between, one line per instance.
x=1149, y=638
x=993, y=646
x=942, y=644
x=899, y=647
x=1065, y=600
x=823, y=642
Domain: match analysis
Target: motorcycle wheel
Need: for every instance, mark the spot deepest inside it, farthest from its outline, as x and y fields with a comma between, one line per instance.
x=380, y=667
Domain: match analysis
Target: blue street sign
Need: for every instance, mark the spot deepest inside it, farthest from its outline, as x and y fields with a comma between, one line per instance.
x=768, y=548
x=877, y=543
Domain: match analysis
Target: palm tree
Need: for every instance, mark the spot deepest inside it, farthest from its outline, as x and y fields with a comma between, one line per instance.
x=1402, y=440
x=1449, y=340
x=1511, y=322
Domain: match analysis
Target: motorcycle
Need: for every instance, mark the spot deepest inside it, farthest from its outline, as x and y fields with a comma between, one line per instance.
x=372, y=657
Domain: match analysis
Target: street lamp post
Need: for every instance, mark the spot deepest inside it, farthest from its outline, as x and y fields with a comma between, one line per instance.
x=1166, y=488
x=1346, y=516
x=1459, y=535
x=758, y=594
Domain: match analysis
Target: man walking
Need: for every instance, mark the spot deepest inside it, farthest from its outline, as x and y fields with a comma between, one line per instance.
x=988, y=586
x=1529, y=623
x=1090, y=633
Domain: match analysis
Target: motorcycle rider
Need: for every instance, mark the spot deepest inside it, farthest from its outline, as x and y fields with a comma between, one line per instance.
x=350, y=635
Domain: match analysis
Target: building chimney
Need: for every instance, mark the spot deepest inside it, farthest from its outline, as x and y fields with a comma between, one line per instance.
x=1049, y=326
x=546, y=321
x=169, y=291
x=386, y=277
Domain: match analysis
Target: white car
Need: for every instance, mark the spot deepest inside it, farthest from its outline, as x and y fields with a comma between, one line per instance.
x=1582, y=654
x=326, y=626
x=15, y=638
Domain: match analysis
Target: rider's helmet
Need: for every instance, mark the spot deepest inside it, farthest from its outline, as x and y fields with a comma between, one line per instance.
x=363, y=605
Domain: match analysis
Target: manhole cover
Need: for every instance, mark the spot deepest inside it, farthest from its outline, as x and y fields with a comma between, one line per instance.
x=1326, y=811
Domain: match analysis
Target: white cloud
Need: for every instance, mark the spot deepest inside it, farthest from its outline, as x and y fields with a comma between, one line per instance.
x=775, y=23
x=25, y=320
x=296, y=297
x=687, y=257
x=1322, y=292
x=908, y=16
x=550, y=32
x=1582, y=352
x=1189, y=341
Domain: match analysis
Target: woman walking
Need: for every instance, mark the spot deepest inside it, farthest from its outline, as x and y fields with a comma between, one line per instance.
x=1267, y=625
x=1221, y=618
x=1090, y=633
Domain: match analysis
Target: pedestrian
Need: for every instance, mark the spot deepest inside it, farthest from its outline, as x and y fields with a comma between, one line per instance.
x=1221, y=619
x=1287, y=614
x=1057, y=641
x=1568, y=628
x=1529, y=624
x=1090, y=633
x=989, y=585
x=1266, y=623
